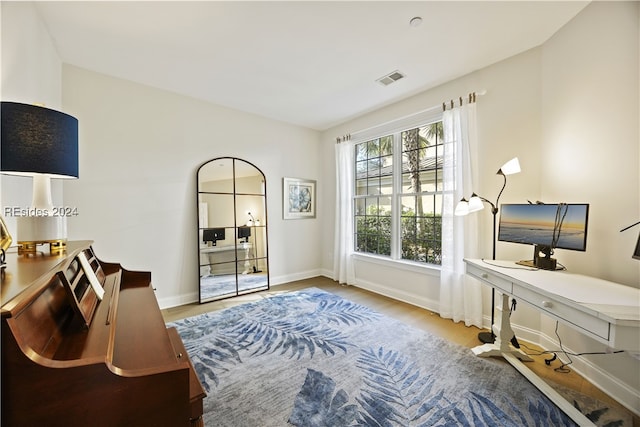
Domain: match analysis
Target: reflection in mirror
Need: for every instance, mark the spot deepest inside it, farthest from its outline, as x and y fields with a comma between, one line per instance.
x=232, y=229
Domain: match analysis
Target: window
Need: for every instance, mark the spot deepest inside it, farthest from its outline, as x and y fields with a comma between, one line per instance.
x=398, y=195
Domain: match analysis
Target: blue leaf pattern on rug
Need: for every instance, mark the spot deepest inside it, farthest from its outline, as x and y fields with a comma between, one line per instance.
x=394, y=391
x=396, y=395
x=311, y=358
x=317, y=406
x=266, y=327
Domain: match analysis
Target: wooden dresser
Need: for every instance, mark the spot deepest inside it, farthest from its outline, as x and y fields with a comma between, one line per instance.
x=70, y=358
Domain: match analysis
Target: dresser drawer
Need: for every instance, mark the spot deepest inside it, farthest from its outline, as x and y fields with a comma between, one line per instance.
x=494, y=280
x=585, y=322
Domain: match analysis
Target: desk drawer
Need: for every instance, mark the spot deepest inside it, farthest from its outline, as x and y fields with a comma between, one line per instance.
x=593, y=326
x=492, y=279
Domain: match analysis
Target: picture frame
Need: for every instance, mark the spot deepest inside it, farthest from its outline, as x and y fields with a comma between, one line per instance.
x=298, y=198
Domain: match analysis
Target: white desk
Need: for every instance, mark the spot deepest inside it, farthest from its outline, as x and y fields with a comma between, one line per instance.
x=224, y=257
x=605, y=311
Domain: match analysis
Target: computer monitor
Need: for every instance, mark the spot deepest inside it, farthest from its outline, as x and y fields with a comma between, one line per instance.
x=547, y=227
x=213, y=235
x=636, y=253
x=244, y=232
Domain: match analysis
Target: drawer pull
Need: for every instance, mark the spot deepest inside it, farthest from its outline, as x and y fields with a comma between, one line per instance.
x=547, y=304
x=485, y=276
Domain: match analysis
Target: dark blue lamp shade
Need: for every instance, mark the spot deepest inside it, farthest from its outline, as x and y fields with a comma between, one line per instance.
x=38, y=140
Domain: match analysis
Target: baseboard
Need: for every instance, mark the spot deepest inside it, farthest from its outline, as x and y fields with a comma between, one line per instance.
x=399, y=295
x=178, y=300
x=282, y=279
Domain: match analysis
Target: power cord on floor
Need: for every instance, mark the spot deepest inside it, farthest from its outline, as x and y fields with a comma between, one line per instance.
x=563, y=367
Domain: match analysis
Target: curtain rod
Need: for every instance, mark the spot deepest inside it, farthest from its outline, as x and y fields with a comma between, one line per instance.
x=471, y=97
x=471, y=100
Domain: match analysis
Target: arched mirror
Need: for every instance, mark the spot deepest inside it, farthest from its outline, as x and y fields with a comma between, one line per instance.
x=232, y=229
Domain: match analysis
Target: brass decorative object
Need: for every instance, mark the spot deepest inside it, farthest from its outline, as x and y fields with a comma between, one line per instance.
x=5, y=240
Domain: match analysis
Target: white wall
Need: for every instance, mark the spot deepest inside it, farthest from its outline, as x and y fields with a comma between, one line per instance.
x=590, y=115
x=570, y=111
x=589, y=153
x=139, y=151
x=31, y=74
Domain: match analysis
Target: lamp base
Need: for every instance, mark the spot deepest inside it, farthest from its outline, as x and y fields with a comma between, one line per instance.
x=39, y=230
x=486, y=337
x=55, y=246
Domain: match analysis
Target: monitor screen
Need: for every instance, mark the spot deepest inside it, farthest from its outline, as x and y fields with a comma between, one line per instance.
x=212, y=234
x=561, y=226
x=244, y=232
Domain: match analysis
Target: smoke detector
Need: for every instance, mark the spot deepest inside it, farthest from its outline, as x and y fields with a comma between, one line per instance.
x=390, y=78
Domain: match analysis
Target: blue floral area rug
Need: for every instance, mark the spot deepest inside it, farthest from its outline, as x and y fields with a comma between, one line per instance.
x=311, y=358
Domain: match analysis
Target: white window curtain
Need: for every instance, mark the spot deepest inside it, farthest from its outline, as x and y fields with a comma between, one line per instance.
x=343, y=268
x=460, y=296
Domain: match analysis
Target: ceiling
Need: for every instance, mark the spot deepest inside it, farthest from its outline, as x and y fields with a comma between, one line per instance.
x=313, y=64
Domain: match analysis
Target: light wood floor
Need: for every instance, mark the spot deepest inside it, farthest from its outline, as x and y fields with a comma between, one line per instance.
x=407, y=313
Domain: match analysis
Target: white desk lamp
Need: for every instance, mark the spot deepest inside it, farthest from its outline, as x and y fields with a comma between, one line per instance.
x=475, y=204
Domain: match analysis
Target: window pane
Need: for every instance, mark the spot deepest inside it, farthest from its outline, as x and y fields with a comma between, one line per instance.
x=361, y=187
x=385, y=206
x=440, y=183
x=421, y=229
x=372, y=206
x=419, y=168
x=361, y=168
x=384, y=245
x=428, y=179
x=373, y=186
x=386, y=187
x=373, y=167
x=408, y=206
x=386, y=165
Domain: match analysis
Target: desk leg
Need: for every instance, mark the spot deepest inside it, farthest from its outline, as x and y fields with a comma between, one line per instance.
x=247, y=264
x=504, y=333
x=548, y=391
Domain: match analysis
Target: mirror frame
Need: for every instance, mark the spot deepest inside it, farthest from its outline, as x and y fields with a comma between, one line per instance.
x=239, y=251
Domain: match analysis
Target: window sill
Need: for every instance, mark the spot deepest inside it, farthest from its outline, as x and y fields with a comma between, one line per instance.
x=430, y=269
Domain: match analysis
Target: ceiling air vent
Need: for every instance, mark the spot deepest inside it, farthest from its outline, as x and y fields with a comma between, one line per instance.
x=390, y=78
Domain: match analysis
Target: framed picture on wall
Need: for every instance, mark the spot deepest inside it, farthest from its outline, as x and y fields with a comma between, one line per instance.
x=298, y=198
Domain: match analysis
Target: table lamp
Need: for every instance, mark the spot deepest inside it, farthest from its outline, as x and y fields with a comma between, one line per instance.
x=476, y=203
x=636, y=253
x=40, y=143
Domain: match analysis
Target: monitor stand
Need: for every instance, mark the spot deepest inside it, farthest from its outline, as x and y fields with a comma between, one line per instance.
x=541, y=259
